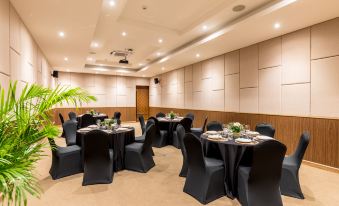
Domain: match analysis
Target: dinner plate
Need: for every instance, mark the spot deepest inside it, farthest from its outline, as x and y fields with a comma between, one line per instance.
x=93, y=126
x=122, y=129
x=214, y=136
x=211, y=132
x=243, y=140
x=252, y=133
x=85, y=129
x=263, y=137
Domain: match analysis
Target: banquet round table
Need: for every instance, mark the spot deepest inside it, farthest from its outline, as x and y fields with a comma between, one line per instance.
x=233, y=154
x=118, y=140
x=102, y=117
x=169, y=125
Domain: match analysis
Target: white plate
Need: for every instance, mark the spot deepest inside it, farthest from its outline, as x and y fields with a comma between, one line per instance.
x=211, y=132
x=214, y=136
x=93, y=126
x=122, y=129
x=263, y=137
x=253, y=133
x=243, y=140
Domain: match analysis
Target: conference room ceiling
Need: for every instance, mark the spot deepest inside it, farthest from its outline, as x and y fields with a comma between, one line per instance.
x=78, y=36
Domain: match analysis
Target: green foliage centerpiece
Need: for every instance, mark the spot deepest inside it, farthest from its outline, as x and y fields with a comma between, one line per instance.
x=25, y=122
x=172, y=115
x=235, y=128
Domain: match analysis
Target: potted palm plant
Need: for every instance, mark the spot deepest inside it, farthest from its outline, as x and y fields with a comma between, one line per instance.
x=25, y=123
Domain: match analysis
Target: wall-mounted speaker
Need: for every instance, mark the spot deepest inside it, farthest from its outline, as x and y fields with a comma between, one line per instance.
x=55, y=74
x=156, y=81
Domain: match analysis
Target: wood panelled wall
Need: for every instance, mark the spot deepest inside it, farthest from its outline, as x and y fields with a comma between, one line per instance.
x=127, y=113
x=324, y=145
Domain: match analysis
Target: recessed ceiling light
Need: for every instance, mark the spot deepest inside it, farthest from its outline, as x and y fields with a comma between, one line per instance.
x=112, y=3
x=95, y=44
x=66, y=59
x=90, y=59
x=141, y=64
x=143, y=75
x=67, y=70
x=160, y=40
x=197, y=55
x=162, y=68
x=277, y=25
x=97, y=72
x=124, y=33
x=204, y=27
x=158, y=53
x=61, y=34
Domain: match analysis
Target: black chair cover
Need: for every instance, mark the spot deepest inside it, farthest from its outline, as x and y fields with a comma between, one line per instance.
x=198, y=131
x=259, y=184
x=98, y=158
x=160, y=114
x=186, y=123
x=205, y=177
x=65, y=160
x=87, y=120
x=181, y=134
x=72, y=116
x=265, y=129
x=214, y=126
x=190, y=115
x=289, y=183
x=160, y=137
x=70, y=128
x=142, y=123
x=139, y=155
x=117, y=115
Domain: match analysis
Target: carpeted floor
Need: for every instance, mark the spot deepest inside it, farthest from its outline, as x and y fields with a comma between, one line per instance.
x=162, y=186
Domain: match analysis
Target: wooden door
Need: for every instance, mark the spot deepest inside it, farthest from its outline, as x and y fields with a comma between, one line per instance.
x=142, y=101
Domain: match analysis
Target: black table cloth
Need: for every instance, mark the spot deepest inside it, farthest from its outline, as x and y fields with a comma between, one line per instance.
x=118, y=141
x=102, y=117
x=233, y=154
x=169, y=125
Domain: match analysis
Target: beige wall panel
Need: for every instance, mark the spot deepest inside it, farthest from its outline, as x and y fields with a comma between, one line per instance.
x=121, y=101
x=270, y=90
x=215, y=100
x=249, y=66
x=101, y=101
x=188, y=95
x=324, y=87
x=163, y=79
x=100, y=84
x=172, y=77
x=249, y=100
x=111, y=81
x=19, y=87
x=218, y=69
x=15, y=65
x=270, y=53
x=111, y=97
x=296, y=57
x=28, y=72
x=38, y=66
x=207, y=68
x=4, y=82
x=4, y=37
x=232, y=62
x=181, y=100
x=130, y=82
x=232, y=93
x=188, y=73
x=15, y=30
x=295, y=99
x=28, y=47
x=180, y=81
x=46, y=73
x=142, y=81
x=77, y=80
x=197, y=77
x=197, y=100
x=131, y=97
x=64, y=78
x=324, y=39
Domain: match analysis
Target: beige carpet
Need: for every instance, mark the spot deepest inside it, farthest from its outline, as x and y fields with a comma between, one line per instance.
x=162, y=186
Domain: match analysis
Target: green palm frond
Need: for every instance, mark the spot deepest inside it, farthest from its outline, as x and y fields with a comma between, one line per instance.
x=25, y=121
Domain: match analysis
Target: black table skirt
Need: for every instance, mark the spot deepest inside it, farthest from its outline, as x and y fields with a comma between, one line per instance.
x=169, y=126
x=233, y=155
x=118, y=141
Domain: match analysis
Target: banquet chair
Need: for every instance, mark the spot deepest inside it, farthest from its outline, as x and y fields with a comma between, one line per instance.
x=160, y=114
x=117, y=115
x=265, y=129
x=186, y=123
x=139, y=155
x=142, y=123
x=160, y=137
x=66, y=161
x=72, y=116
x=214, y=126
x=289, y=183
x=62, y=122
x=205, y=177
x=86, y=120
x=259, y=184
x=141, y=138
x=70, y=128
x=190, y=115
x=98, y=158
x=199, y=131
x=181, y=134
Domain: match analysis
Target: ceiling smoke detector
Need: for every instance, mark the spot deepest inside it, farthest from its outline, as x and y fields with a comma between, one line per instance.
x=238, y=8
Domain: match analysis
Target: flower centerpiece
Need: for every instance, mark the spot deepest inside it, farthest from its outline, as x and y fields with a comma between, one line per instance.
x=92, y=111
x=235, y=128
x=172, y=115
x=109, y=123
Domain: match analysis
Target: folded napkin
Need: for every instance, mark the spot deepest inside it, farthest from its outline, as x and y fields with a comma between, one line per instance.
x=122, y=129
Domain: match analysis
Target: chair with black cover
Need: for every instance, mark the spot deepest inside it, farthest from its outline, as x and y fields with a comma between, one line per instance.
x=289, y=183
x=214, y=126
x=72, y=116
x=205, y=177
x=117, y=115
x=98, y=158
x=265, y=129
x=181, y=134
x=186, y=123
x=70, y=128
x=160, y=137
x=86, y=120
x=138, y=156
x=190, y=115
x=62, y=122
x=199, y=131
x=160, y=114
x=142, y=137
x=66, y=161
x=142, y=123
x=259, y=184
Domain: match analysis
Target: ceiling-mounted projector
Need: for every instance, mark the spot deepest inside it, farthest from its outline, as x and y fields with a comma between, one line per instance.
x=123, y=61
